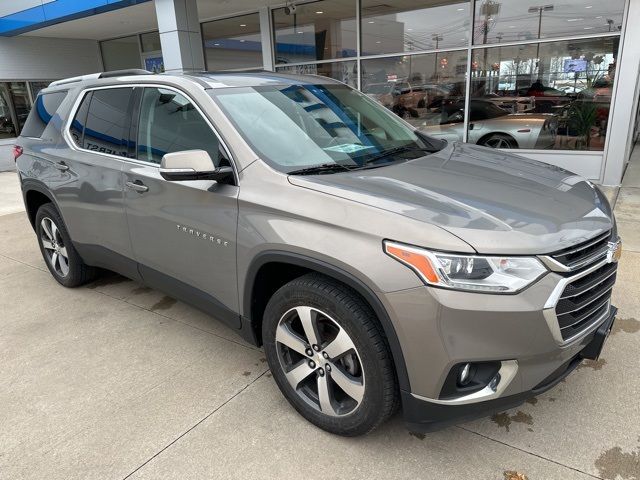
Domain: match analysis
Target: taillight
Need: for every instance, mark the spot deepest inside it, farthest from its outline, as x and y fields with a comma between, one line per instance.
x=17, y=151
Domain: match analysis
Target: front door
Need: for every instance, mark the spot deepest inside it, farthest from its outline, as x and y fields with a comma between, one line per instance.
x=183, y=233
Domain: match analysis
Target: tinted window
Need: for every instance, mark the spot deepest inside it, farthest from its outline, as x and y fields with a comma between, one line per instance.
x=107, y=127
x=77, y=126
x=170, y=123
x=42, y=113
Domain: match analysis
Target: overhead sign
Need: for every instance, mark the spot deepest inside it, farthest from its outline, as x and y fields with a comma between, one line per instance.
x=27, y=15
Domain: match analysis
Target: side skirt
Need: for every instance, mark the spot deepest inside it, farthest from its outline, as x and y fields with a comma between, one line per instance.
x=101, y=257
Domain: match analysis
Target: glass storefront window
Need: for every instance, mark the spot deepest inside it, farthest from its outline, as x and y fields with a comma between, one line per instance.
x=233, y=43
x=150, y=42
x=121, y=53
x=7, y=129
x=554, y=95
x=420, y=88
x=517, y=20
x=397, y=27
x=318, y=30
x=345, y=72
x=36, y=87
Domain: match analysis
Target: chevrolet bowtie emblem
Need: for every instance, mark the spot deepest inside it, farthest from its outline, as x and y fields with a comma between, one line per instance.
x=615, y=251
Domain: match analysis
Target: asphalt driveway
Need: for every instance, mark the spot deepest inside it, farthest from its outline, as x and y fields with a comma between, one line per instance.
x=114, y=381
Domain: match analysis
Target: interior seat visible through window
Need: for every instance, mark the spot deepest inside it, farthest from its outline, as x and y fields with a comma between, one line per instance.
x=169, y=122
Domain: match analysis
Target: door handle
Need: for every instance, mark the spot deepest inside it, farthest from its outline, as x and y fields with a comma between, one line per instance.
x=137, y=186
x=61, y=166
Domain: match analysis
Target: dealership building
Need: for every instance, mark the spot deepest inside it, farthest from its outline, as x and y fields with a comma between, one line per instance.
x=558, y=81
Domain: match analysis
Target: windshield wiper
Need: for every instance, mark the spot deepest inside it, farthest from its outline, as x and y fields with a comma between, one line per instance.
x=323, y=168
x=393, y=151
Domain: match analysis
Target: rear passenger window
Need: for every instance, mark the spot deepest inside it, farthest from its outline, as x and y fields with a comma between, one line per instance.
x=42, y=112
x=170, y=123
x=108, y=119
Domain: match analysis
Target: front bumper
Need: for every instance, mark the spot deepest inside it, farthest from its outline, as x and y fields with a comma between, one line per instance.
x=518, y=336
x=422, y=415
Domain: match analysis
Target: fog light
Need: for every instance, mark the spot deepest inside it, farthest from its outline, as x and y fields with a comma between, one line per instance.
x=464, y=376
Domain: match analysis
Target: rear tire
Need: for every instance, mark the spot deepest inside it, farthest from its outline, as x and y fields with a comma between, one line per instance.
x=329, y=356
x=58, y=251
x=498, y=140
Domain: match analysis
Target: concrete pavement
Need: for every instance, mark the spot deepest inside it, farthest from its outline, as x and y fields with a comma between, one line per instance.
x=6, y=159
x=114, y=380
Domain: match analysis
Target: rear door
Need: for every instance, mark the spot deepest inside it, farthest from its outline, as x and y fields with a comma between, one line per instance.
x=90, y=188
x=183, y=233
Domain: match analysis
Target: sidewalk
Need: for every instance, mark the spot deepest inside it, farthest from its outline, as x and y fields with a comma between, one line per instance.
x=628, y=204
x=6, y=160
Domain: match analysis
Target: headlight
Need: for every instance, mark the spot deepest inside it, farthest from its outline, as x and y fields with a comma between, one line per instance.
x=468, y=272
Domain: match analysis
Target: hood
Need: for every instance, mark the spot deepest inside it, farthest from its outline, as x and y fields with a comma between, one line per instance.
x=497, y=202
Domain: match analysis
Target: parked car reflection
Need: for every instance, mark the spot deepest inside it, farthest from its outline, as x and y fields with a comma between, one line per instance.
x=490, y=125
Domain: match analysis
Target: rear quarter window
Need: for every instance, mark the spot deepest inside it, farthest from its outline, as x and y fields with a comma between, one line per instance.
x=42, y=112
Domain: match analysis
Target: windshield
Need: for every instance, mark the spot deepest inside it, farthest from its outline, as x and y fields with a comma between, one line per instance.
x=293, y=127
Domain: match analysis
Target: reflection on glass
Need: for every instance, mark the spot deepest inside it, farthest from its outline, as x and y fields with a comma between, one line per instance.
x=345, y=72
x=121, y=53
x=558, y=94
x=233, y=43
x=420, y=25
x=315, y=31
x=416, y=87
x=7, y=128
x=516, y=20
x=36, y=87
x=150, y=42
x=21, y=104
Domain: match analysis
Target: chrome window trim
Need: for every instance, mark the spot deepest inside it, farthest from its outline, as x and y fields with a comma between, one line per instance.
x=80, y=96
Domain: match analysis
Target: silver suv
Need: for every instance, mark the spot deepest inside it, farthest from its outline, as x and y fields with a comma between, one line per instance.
x=379, y=268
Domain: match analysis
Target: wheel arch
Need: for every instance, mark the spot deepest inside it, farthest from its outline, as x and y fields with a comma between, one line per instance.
x=255, y=299
x=35, y=195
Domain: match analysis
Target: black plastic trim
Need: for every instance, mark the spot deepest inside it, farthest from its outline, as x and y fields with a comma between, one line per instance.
x=277, y=256
x=189, y=294
x=29, y=185
x=101, y=257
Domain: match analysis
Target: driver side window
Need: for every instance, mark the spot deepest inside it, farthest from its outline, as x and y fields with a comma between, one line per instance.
x=169, y=122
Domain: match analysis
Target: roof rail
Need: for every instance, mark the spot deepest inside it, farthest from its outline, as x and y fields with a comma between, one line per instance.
x=80, y=78
x=95, y=76
x=122, y=73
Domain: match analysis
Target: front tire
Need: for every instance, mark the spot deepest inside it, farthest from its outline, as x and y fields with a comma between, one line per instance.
x=57, y=249
x=328, y=355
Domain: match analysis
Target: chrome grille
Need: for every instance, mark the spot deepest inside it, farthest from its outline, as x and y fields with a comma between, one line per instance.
x=584, y=254
x=586, y=297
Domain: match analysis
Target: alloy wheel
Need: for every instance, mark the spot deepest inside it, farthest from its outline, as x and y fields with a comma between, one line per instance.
x=498, y=142
x=54, y=247
x=320, y=361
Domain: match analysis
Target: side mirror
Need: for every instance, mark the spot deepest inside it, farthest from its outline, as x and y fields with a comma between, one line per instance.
x=193, y=165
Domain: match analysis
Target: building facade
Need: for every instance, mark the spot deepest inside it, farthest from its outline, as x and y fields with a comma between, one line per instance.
x=556, y=82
